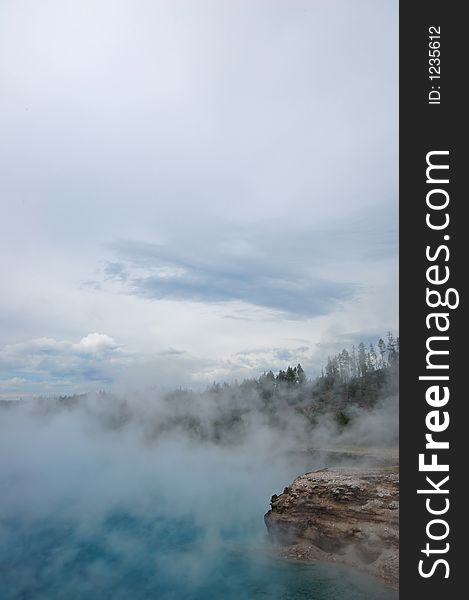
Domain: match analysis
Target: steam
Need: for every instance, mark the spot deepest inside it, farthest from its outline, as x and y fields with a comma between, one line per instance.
x=104, y=482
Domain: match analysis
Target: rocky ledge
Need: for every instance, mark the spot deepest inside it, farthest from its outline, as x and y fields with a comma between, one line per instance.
x=346, y=515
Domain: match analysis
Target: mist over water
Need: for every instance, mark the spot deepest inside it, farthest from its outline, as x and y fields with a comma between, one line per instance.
x=90, y=510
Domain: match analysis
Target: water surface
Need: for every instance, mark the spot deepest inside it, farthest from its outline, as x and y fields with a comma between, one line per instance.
x=91, y=514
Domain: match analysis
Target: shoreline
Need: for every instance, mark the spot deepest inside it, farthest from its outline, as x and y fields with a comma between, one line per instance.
x=340, y=515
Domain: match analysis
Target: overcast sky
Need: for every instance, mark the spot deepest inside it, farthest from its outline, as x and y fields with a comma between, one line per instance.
x=193, y=190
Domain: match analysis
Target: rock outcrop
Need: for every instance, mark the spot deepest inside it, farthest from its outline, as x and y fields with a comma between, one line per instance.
x=347, y=515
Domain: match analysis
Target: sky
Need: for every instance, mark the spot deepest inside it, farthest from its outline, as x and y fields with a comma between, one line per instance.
x=193, y=190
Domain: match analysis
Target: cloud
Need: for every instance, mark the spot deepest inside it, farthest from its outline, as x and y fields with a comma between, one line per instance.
x=48, y=365
x=97, y=342
x=12, y=382
x=283, y=266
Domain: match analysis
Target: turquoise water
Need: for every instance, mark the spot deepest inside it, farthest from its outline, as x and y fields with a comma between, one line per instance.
x=89, y=515
x=131, y=557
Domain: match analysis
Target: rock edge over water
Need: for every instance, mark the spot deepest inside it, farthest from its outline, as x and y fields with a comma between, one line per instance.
x=347, y=515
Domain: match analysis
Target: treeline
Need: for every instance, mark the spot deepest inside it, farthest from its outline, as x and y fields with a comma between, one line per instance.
x=223, y=413
x=362, y=361
x=352, y=380
x=377, y=363
x=358, y=377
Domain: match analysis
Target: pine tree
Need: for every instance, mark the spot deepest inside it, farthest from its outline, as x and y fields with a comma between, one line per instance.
x=382, y=353
x=373, y=358
x=362, y=362
x=300, y=374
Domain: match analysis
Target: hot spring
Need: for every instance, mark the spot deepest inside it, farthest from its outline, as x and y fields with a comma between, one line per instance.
x=96, y=513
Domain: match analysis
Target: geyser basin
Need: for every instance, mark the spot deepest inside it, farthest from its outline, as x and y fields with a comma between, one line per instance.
x=91, y=513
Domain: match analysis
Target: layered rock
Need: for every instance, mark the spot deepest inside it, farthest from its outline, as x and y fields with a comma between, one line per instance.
x=346, y=515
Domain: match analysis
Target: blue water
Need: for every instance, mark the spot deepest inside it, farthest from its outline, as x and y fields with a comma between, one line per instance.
x=131, y=557
x=86, y=515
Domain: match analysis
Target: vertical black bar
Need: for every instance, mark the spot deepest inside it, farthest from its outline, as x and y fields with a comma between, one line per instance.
x=426, y=127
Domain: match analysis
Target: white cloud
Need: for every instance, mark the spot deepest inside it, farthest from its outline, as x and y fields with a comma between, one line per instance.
x=12, y=382
x=97, y=342
x=47, y=366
